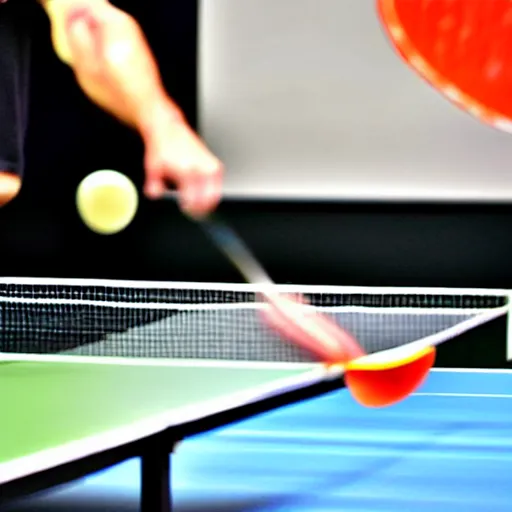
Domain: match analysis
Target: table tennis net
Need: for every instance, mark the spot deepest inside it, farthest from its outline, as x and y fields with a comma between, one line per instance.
x=218, y=321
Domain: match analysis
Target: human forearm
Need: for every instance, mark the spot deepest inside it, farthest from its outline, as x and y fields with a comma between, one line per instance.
x=114, y=66
x=111, y=59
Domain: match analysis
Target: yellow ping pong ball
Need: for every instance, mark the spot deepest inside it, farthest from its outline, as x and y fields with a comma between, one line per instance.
x=107, y=201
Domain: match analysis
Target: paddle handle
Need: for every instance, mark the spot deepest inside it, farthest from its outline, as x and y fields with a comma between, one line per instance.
x=229, y=242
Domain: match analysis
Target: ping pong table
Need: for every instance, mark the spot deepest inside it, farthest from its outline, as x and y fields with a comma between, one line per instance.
x=446, y=448
x=96, y=372
x=66, y=416
x=415, y=455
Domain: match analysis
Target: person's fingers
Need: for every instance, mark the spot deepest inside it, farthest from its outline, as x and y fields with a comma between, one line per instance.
x=187, y=164
x=199, y=193
x=202, y=191
x=154, y=184
x=154, y=187
x=213, y=193
x=157, y=177
x=188, y=187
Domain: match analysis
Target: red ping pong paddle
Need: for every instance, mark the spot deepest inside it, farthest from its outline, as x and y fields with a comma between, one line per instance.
x=463, y=48
x=389, y=377
x=376, y=380
x=373, y=381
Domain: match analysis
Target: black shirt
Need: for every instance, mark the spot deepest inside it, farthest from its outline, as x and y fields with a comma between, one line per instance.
x=15, y=36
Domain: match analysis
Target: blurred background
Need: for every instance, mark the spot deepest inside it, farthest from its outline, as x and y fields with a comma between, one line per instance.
x=343, y=167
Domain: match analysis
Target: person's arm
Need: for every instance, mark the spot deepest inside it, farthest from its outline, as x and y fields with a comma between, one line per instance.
x=114, y=66
x=117, y=69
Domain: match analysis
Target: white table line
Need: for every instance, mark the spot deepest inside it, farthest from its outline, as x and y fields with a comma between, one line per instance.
x=466, y=395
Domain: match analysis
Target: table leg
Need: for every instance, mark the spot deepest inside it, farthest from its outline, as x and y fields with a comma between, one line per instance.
x=155, y=485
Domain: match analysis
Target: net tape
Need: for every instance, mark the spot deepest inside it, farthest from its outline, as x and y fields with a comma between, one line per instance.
x=218, y=321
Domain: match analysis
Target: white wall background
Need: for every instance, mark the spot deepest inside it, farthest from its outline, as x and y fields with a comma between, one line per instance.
x=306, y=99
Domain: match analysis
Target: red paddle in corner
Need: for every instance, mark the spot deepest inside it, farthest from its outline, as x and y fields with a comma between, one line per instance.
x=463, y=48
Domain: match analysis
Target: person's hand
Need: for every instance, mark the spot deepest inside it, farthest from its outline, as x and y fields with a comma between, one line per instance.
x=176, y=155
x=115, y=68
